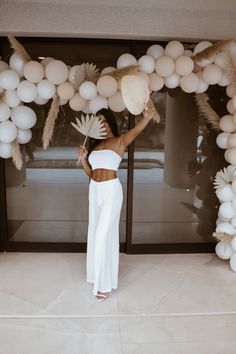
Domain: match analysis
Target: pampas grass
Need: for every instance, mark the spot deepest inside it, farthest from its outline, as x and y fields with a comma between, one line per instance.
x=128, y=70
x=50, y=122
x=18, y=48
x=223, y=236
x=209, y=53
x=16, y=155
x=208, y=113
x=230, y=68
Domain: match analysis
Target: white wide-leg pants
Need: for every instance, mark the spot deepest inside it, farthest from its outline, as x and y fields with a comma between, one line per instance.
x=105, y=202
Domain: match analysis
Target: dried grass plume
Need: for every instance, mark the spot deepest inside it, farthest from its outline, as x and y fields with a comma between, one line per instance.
x=223, y=236
x=208, y=113
x=50, y=122
x=208, y=54
x=16, y=155
x=18, y=48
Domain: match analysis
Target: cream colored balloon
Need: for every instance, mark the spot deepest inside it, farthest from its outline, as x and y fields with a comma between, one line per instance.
x=66, y=90
x=107, y=86
x=33, y=71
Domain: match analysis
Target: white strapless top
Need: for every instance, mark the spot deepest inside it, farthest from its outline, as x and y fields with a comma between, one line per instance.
x=106, y=159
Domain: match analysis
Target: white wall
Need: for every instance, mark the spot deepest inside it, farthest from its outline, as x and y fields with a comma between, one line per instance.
x=137, y=19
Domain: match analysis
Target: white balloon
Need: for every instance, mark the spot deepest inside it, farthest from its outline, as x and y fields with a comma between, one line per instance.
x=165, y=66
x=225, y=80
x=56, y=72
x=231, y=90
x=9, y=79
x=73, y=72
x=62, y=101
x=231, y=155
x=225, y=193
x=222, y=140
x=66, y=90
x=107, y=70
x=26, y=91
x=172, y=81
x=107, y=86
x=230, y=106
x=212, y=74
x=232, y=140
x=5, y=111
x=201, y=46
x=33, y=71
x=11, y=98
x=116, y=102
x=227, y=210
x=227, y=124
x=227, y=220
x=17, y=63
x=233, y=222
x=46, y=61
x=232, y=262
x=88, y=90
x=147, y=64
x=46, y=89
x=3, y=65
x=224, y=250
x=221, y=60
x=189, y=83
x=226, y=227
x=23, y=136
x=86, y=109
x=233, y=243
x=184, y=65
x=5, y=150
x=202, y=85
x=8, y=131
x=24, y=117
x=39, y=100
x=156, y=82
x=174, y=49
x=97, y=103
x=156, y=51
x=77, y=103
x=126, y=60
x=233, y=186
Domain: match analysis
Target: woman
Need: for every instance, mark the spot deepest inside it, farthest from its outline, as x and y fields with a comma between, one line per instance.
x=105, y=201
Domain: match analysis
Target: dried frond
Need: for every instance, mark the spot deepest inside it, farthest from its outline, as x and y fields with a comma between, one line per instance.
x=50, y=122
x=18, y=48
x=90, y=126
x=1, y=96
x=16, y=155
x=128, y=70
x=208, y=113
x=208, y=55
x=91, y=72
x=223, y=236
x=79, y=76
x=230, y=68
x=224, y=177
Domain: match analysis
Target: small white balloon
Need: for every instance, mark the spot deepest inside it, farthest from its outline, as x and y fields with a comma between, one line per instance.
x=8, y=131
x=155, y=51
x=227, y=124
x=165, y=66
x=232, y=262
x=126, y=60
x=41, y=101
x=231, y=90
x=231, y=156
x=201, y=46
x=116, y=102
x=17, y=63
x=230, y=106
x=224, y=250
x=56, y=72
x=24, y=117
x=26, y=91
x=156, y=82
x=107, y=86
x=88, y=90
x=222, y=140
x=97, y=103
x=9, y=79
x=172, y=81
x=77, y=103
x=174, y=49
x=46, y=61
x=189, y=83
x=23, y=136
x=46, y=89
x=225, y=193
x=184, y=65
x=225, y=79
x=212, y=74
x=226, y=227
x=5, y=150
x=202, y=85
x=33, y=71
x=232, y=140
x=11, y=98
x=5, y=111
x=66, y=90
x=86, y=109
x=227, y=210
x=147, y=64
x=107, y=70
x=62, y=101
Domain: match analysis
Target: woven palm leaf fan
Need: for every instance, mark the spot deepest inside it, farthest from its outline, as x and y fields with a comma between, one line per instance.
x=90, y=126
x=135, y=93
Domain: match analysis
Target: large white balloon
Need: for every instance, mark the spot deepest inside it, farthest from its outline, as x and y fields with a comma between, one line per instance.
x=189, y=83
x=232, y=140
x=225, y=193
x=224, y=250
x=212, y=74
x=126, y=60
x=11, y=98
x=202, y=85
x=88, y=90
x=5, y=111
x=232, y=262
x=107, y=86
x=156, y=51
x=156, y=82
x=231, y=90
x=227, y=210
x=147, y=64
x=230, y=107
x=184, y=65
x=231, y=155
x=97, y=103
x=116, y=102
x=46, y=89
x=226, y=227
x=27, y=91
x=66, y=90
x=227, y=124
x=8, y=131
x=174, y=49
x=17, y=63
x=222, y=140
x=9, y=79
x=5, y=150
x=24, y=117
x=172, y=81
x=56, y=72
x=77, y=103
x=39, y=100
x=46, y=61
x=33, y=71
x=23, y=136
x=165, y=66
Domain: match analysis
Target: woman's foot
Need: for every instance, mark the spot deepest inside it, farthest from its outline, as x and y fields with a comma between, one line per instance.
x=101, y=296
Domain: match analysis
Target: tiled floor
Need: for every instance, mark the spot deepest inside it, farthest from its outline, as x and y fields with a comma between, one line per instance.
x=164, y=304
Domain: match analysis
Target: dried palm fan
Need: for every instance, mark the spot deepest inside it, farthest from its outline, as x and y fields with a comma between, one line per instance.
x=208, y=55
x=128, y=70
x=223, y=236
x=90, y=126
x=16, y=155
x=50, y=122
x=79, y=76
x=224, y=176
x=91, y=72
x=18, y=48
x=208, y=113
x=135, y=93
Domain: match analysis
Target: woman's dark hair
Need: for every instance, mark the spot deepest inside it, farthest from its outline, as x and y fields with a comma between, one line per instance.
x=111, y=120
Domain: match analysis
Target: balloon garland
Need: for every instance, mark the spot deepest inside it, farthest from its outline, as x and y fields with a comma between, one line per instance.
x=86, y=89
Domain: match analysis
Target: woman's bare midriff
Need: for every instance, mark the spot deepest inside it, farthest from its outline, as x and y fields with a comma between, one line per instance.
x=100, y=175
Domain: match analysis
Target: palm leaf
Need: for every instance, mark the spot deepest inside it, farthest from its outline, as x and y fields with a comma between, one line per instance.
x=50, y=122
x=223, y=236
x=210, y=53
x=91, y=72
x=18, y=48
x=90, y=126
x=79, y=76
x=128, y=70
x=224, y=177
x=16, y=155
x=208, y=113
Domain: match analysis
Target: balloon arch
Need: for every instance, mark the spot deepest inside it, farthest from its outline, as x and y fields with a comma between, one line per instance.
x=86, y=89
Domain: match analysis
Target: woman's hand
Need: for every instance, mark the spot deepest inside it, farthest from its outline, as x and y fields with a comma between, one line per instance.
x=149, y=111
x=82, y=152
